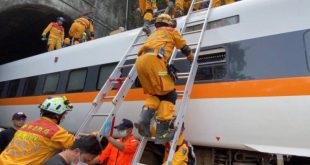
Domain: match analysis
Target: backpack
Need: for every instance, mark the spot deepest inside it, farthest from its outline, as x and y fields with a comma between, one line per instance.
x=191, y=153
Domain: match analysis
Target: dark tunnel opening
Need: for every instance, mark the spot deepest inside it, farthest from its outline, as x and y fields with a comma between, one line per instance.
x=21, y=28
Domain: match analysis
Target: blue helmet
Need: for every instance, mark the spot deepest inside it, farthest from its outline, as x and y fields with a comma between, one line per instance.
x=61, y=19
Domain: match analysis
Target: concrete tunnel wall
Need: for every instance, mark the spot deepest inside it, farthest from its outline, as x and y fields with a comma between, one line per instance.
x=23, y=21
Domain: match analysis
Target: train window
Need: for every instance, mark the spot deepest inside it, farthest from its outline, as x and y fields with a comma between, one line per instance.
x=13, y=87
x=30, y=86
x=104, y=74
x=307, y=46
x=215, y=24
x=77, y=80
x=2, y=87
x=51, y=83
x=212, y=65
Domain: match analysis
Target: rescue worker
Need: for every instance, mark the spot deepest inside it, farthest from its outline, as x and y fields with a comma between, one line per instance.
x=180, y=8
x=153, y=74
x=82, y=152
x=147, y=8
x=18, y=120
x=80, y=26
x=180, y=156
x=217, y=3
x=120, y=151
x=56, y=34
x=38, y=140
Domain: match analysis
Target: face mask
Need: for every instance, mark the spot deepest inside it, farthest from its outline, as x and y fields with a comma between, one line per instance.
x=122, y=133
x=79, y=163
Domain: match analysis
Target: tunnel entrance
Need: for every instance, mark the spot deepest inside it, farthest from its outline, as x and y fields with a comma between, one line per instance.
x=21, y=29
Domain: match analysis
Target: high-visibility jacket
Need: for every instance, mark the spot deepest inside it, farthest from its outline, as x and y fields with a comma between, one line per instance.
x=113, y=156
x=56, y=31
x=79, y=26
x=35, y=143
x=180, y=156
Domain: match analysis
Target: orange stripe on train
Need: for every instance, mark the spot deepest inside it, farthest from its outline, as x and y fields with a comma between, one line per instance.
x=253, y=88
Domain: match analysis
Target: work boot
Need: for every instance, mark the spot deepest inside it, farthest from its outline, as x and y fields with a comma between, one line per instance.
x=146, y=28
x=144, y=123
x=163, y=132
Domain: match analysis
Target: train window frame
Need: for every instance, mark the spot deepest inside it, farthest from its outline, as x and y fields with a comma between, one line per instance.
x=227, y=21
x=26, y=87
x=306, y=38
x=213, y=65
x=45, y=80
x=98, y=85
x=9, y=88
x=69, y=77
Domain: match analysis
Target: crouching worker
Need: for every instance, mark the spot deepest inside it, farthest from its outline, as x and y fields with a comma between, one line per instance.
x=120, y=151
x=153, y=74
x=38, y=140
x=82, y=152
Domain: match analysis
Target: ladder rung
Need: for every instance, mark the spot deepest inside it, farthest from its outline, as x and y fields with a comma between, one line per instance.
x=137, y=44
x=127, y=66
x=200, y=20
x=183, y=77
x=109, y=97
x=102, y=114
x=183, y=74
x=196, y=11
x=130, y=55
x=180, y=59
x=191, y=32
x=192, y=44
x=83, y=134
x=180, y=93
x=201, y=2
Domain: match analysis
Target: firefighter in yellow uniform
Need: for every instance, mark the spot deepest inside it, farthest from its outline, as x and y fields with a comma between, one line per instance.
x=38, y=140
x=80, y=26
x=147, y=8
x=217, y=3
x=56, y=34
x=181, y=7
x=153, y=74
x=180, y=156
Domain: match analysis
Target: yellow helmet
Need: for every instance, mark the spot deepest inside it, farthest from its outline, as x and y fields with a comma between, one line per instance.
x=164, y=18
x=67, y=41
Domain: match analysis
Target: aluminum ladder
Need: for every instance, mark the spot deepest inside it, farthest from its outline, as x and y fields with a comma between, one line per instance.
x=117, y=77
x=188, y=76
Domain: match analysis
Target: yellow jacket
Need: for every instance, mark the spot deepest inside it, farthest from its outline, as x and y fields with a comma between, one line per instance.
x=165, y=37
x=56, y=31
x=88, y=25
x=180, y=156
x=35, y=143
x=217, y=3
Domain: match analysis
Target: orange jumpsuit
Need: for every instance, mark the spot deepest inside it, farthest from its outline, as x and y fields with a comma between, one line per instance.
x=116, y=157
x=217, y=3
x=78, y=27
x=36, y=142
x=152, y=71
x=56, y=35
x=180, y=156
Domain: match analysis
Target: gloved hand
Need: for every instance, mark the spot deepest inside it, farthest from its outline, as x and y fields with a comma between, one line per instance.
x=171, y=4
x=43, y=37
x=190, y=57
